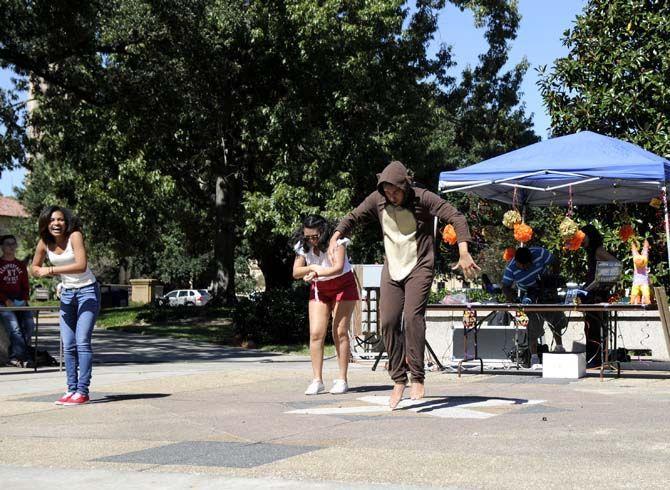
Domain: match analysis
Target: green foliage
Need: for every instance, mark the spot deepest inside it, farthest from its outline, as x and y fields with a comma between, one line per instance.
x=177, y=128
x=48, y=283
x=178, y=263
x=278, y=316
x=615, y=79
x=493, y=238
x=244, y=283
x=12, y=136
x=471, y=295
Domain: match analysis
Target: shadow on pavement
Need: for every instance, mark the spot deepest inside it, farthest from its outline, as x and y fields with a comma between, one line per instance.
x=367, y=389
x=282, y=360
x=437, y=402
x=40, y=370
x=628, y=374
x=134, y=396
x=112, y=347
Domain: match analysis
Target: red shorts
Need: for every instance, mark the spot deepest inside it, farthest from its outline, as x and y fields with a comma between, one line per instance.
x=342, y=288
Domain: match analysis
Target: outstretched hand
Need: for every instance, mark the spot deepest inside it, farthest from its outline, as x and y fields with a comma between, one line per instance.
x=467, y=264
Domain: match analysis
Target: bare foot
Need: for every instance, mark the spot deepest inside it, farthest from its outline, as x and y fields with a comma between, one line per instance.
x=417, y=391
x=396, y=395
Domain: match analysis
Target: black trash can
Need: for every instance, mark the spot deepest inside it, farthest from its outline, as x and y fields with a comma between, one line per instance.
x=113, y=295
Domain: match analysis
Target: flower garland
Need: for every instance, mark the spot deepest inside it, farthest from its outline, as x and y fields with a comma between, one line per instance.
x=449, y=235
x=511, y=218
x=522, y=232
x=575, y=241
x=521, y=319
x=508, y=254
x=626, y=232
x=568, y=228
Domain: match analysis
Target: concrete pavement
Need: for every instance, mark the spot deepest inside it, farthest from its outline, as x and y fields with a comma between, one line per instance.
x=176, y=414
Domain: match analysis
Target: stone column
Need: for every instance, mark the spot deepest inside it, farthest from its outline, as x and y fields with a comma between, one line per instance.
x=142, y=290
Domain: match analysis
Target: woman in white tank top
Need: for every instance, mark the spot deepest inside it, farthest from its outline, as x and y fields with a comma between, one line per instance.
x=62, y=243
x=333, y=294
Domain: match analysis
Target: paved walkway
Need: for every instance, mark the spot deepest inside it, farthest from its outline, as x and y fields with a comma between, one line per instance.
x=176, y=414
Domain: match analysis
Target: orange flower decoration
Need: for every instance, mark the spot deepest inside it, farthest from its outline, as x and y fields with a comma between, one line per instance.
x=625, y=232
x=508, y=254
x=449, y=235
x=522, y=232
x=575, y=242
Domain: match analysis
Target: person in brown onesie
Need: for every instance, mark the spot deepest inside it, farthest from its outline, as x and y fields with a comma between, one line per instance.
x=406, y=214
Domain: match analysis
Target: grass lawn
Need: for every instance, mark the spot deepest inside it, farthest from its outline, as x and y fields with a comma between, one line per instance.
x=217, y=334
x=51, y=302
x=209, y=325
x=118, y=317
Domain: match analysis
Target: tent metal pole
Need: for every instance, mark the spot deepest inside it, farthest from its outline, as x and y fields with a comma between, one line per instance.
x=523, y=219
x=667, y=225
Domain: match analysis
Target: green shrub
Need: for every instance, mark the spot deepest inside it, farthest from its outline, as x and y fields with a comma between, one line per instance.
x=277, y=316
x=473, y=295
x=43, y=282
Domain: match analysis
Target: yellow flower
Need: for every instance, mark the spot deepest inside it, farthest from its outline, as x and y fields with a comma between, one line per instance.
x=567, y=228
x=511, y=218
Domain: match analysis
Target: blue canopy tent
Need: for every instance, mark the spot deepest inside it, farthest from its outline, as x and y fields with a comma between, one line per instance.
x=585, y=167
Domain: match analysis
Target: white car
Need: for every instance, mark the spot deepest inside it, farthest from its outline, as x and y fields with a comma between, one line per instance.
x=186, y=297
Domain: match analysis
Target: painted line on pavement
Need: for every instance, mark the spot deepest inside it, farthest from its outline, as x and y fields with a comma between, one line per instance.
x=436, y=408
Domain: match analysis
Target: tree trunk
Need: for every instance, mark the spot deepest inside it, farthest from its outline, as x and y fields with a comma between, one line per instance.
x=226, y=202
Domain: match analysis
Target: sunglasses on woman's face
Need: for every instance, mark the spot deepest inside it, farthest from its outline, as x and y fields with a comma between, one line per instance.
x=312, y=237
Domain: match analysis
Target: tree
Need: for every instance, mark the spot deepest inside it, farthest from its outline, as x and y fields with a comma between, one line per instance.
x=12, y=135
x=481, y=117
x=359, y=95
x=199, y=122
x=412, y=111
x=615, y=81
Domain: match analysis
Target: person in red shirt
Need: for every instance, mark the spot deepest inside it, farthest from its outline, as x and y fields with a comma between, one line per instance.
x=14, y=291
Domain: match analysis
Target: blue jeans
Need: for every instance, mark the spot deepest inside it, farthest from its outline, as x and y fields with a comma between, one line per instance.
x=20, y=327
x=79, y=308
